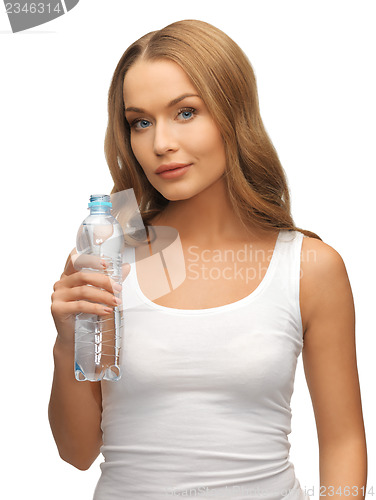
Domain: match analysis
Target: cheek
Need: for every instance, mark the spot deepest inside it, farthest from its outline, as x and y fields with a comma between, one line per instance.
x=139, y=148
x=134, y=145
x=209, y=145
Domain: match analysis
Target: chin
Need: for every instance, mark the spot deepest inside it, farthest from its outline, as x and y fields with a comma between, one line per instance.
x=177, y=197
x=175, y=193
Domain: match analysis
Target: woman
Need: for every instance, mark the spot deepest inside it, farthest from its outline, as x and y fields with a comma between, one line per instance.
x=203, y=405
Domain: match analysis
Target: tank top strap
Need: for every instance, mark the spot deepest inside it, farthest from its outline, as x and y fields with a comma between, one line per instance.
x=285, y=286
x=128, y=255
x=130, y=297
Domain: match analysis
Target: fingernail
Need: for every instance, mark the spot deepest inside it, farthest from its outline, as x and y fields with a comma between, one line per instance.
x=118, y=287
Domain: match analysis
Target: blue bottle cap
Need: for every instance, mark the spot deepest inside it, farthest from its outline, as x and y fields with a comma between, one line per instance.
x=100, y=200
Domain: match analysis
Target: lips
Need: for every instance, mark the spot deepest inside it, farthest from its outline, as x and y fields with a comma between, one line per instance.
x=171, y=166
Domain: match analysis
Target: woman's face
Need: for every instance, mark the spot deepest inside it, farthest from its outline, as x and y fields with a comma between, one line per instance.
x=170, y=124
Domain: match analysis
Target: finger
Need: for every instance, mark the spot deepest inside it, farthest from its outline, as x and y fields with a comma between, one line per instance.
x=88, y=261
x=92, y=278
x=90, y=294
x=76, y=262
x=79, y=306
x=68, y=268
x=69, y=265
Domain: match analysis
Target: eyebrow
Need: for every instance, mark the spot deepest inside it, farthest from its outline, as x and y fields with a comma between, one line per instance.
x=171, y=103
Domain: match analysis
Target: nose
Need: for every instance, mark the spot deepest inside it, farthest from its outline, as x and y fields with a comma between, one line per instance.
x=164, y=139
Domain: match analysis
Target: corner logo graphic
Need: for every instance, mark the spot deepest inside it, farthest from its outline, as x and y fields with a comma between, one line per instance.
x=24, y=15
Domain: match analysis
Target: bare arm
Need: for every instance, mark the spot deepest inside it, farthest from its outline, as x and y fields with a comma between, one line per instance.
x=329, y=358
x=74, y=411
x=75, y=408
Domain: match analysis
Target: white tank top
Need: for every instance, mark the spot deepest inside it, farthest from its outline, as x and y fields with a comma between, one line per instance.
x=203, y=405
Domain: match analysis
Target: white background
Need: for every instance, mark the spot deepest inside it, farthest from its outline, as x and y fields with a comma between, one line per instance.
x=315, y=67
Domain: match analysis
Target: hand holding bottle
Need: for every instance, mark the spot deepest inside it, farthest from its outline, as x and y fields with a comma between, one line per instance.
x=83, y=291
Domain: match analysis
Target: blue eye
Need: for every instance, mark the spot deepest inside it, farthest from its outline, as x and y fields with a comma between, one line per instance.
x=140, y=124
x=187, y=113
x=184, y=114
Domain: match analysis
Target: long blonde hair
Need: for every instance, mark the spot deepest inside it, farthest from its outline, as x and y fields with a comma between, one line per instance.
x=225, y=80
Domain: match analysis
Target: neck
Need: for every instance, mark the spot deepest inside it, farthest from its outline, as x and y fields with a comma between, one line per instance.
x=206, y=219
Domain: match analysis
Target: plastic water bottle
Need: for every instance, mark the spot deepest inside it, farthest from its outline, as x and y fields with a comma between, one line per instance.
x=98, y=338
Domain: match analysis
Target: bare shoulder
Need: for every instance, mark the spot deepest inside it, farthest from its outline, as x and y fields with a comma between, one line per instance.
x=317, y=254
x=329, y=349
x=323, y=276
